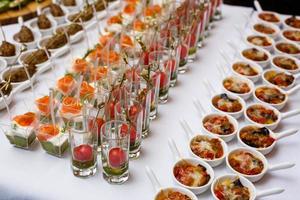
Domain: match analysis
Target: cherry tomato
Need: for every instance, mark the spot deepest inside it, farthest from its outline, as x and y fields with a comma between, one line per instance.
x=132, y=131
x=117, y=157
x=83, y=152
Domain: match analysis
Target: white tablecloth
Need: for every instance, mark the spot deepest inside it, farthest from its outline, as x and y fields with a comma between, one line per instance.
x=36, y=175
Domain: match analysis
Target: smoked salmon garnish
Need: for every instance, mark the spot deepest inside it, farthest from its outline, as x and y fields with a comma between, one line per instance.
x=138, y=25
x=70, y=105
x=95, y=54
x=126, y=41
x=26, y=119
x=98, y=73
x=80, y=66
x=129, y=9
x=104, y=39
x=110, y=57
x=47, y=131
x=43, y=104
x=117, y=19
x=86, y=90
x=152, y=11
x=66, y=84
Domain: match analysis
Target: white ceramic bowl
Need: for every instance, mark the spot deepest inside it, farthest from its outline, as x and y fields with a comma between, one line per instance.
x=263, y=63
x=274, y=27
x=236, y=115
x=73, y=38
x=255, y=66
x=42, y=67
x=285, y=25
x=268, y=47
x=178, y=189
x=59, y=20
x=288, y=39
x=279, y=52
x=265, y=81
x=287, y=56
x=275, y=136
x=114, y=5
x=260, y=156
x=54, y=52
x=31, y=45
x=280, y=116
x=214, y=162
x=200, y=189
x=231, y=119
x=246, y=183
x=77, y=7
x=19, y=86
x=44, y=32
x=279, y=23
x=3, y=64
x=244, y=96
x=278, y=106
x=10, y=60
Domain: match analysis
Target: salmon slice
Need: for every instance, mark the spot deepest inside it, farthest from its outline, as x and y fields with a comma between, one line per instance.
x=66, y=84
x=129, y=9
x=26, y=119
x=104, y=39
x=114, y=20
x=110, y=57
x=126, y=41
x=98, y=73
x=139, y=25
x=80, y=66
x=70, y=105
x=86, y=90
x=43, y=104
x=47, y=131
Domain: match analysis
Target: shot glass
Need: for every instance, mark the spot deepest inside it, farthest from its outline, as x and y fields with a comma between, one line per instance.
x=115, y=151
x=82, y=142
x=159, y=60
x=132, y=113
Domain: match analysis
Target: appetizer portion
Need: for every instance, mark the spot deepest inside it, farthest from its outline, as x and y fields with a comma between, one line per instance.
x=66, y=85
x=226, y=104
x=288, y=48
x=43, y=22
x=262, y=115
x=56, y=10
x=258, y=40
x=36, y=57
x=236, y=85
x=245, y=162
x=244, y=69
x=293, y=35
x=56, y=41
x=219, y=125
x=70, y=29
x=53, y=140
x=168, y=194
x=286, y=63
x=19, y=74
x=293, y=22
x=69, y=2
x=270, y=95
x=70, y=108
x=25, y=35
x=191, y=175
x=21, y=133
x=85, y=15
x=278, y=78
x=256, y=137
x=231, y=189
x=207, y=148
x=7, y=49
x=269, y=17
x=264, y=28
x=255, y=54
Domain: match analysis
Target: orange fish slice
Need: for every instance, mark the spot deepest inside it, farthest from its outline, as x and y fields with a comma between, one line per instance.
x=126, y=41
x=43, y=104
x=110, y=57
x=114, y=20
x=98, y=73
x=104, y=39
x=152, y=11
x=80, y=66
x=138, y=25
x=47, y=131
x=70, y=105
x=26, y=119
x=95, y=54
x=86, y=90
x=66, y=84
x=129, y=9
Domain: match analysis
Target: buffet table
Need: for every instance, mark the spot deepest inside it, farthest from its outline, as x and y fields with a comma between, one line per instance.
x=35, y=174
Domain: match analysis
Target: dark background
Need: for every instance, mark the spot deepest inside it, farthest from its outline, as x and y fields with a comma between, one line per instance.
x=291, y=7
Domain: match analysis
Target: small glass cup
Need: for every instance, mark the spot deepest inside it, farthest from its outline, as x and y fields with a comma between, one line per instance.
x=132, y=113
x=159, y=60
x=82, y=142
x=115, y=151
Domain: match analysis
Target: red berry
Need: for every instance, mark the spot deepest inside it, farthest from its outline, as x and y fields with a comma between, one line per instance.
x=124, y=131
x=83, y=153
x=133, y=110
x=117, y=157
x=99, y=122
x=183, y=52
